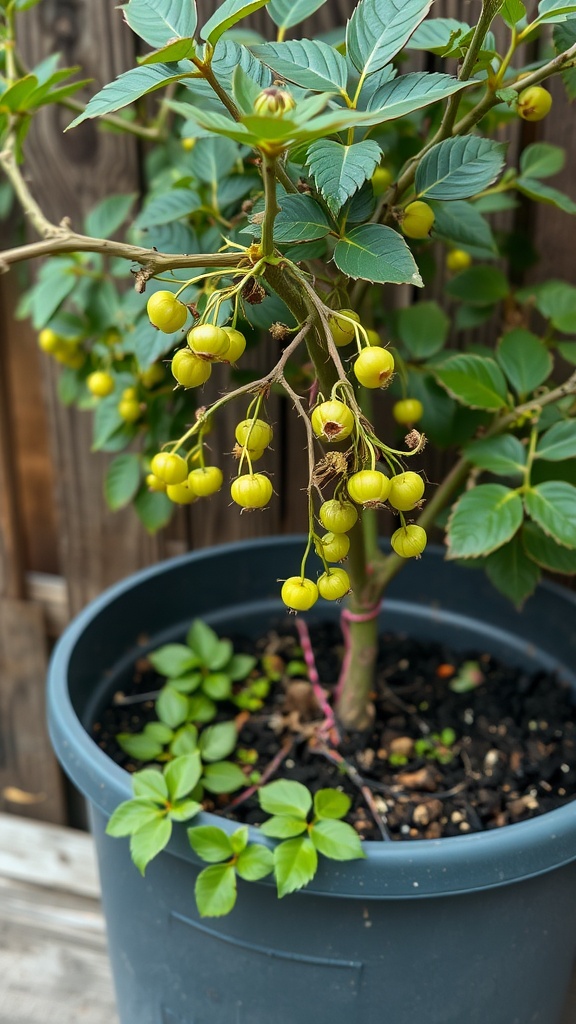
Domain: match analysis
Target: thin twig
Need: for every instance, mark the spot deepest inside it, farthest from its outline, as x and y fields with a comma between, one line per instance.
x=268, y=771
x=335, y=758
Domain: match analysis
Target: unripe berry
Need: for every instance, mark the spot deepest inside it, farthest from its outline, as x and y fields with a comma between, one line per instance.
x=368, y=486
x=169, y=467
x=534, y=103
x=332, y=421
x=166, y=312
x=100, y=383
x=255, y=435
x=129, y=410
x=374, y=367
x=381, y=180
x=49, y=341
x=338, y=516
x=273, y=102
x=152, y=375
x=208, y=341
x=458, y=259
x=373, y=337
x=154, y=483
x=334, y=584
x=334, y=546
x=205, y=481
x=181, y=494
x=189, y=370
x=253, y=490
x=299, y=593
x=187, y=144
x=417, y=220
x=343, y=331
x=407, y=411
x=236, y=346
x=406, y=489
x=409, y=541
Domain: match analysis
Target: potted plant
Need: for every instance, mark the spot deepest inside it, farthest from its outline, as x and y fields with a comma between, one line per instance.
x=317, y=175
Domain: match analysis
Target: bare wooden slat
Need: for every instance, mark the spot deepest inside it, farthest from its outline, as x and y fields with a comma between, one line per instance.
x=48, y=855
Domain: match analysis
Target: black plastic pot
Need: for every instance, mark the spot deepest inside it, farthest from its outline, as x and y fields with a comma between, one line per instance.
x=478, y=929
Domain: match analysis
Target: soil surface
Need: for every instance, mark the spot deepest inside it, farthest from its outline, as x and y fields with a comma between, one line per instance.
x=437, y=762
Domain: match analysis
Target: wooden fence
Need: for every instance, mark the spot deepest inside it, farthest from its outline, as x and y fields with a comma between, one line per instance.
x=60, y=545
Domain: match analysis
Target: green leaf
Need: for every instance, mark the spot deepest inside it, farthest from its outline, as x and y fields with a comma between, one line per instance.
x=240, y=666
x=512, y=572
x=283, y=826
x=166, y=207
x=201, y=708
x=525, y=360
x=410, y=92
x=132, y=816
x=285, y=797
x=203, y=641
x=545, y=552
x=122, y=480
x=559, y=442
x=105, y=218
x=244, y=93
x=255, y=862
x=555, y=300
x=287, y=13
x=187, y=683
x=378, y=29
x=144, y=746
x=184, y=810
x=223, y=777
x=542, y=160
x=512, y=11
x=226, y=15
x=340, y=170
x=331, y=803
x=536, y=190
x=182, y=775
x=179, y=49
x=210, y=843
x=173, y=659
x=482, y=520
x=150, y=783
x=309, y=63
x=217, y=685
x=423, y=328
x=479, y=286
x=239, y=839
x=55, y=282
x=172, y=707
x=185, y=740
x=459, y=167
x=301, y=218
x=154, y=509
x=150, y=841
x=221, y=656
x=336, y=839
x=554, y=11
x=215, y=890
x=295, y=864
x=463, y=225
x=218, y=741
x=567, y=350
x=159, y=21
x=504, y=456
x=474, y=380
x=213, y=158
x=129, y=87
x=438, y=34
x=377, y=253
x=564, y=37
x=553, y=506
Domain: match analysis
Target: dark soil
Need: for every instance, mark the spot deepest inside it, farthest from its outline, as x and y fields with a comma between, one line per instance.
x=512, y=756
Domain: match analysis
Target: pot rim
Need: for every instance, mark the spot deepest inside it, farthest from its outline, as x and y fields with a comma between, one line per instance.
x=413, y=869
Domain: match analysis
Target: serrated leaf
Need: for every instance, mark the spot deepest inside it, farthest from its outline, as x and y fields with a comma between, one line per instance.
x=336, y=840
x=545, y=552
x=554, y=11
x=512, y=572
x=460, y=167
x=437, y=34
x=283, y=826
x=129, y=87
x=301, y=218
x=167, y=207
x=182, y=775
x=525, y=360
x=463, y=225
x=512, y=11
x=482, y=520
x=218, y=741
x=475, y=381
x=558, y=443
x=408, y=93
x=178, y=49
x=479, y=286
x=295, y=864
x=423, y=328
x=542, y=160
x=223, y=777
x=227, y=15
x=107, y=216
x=244, y=92
x=215, y=890
x=55, y=282
x=203, y=641
x=173, y=659
x=287, y=13
x=309, y=63
x=159, y=21
x=151, y=784
x=536, y=190
x=132, y=816
x=149, y=841
x=331, y=803
x=378, y=29
x=213, y=158
x=285, y=797
x=377, y=253
x=153, y=509
x=172, y=707
x=555, y=300
x=210, y=843
x=553, y=506
x=504, y=456
x=255, y=862
x=122, y=480
x=340, y=170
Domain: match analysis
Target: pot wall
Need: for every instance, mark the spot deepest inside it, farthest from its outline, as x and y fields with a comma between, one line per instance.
x=476, y=929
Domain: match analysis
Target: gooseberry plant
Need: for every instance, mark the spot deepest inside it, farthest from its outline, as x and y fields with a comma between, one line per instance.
x=290, y=181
